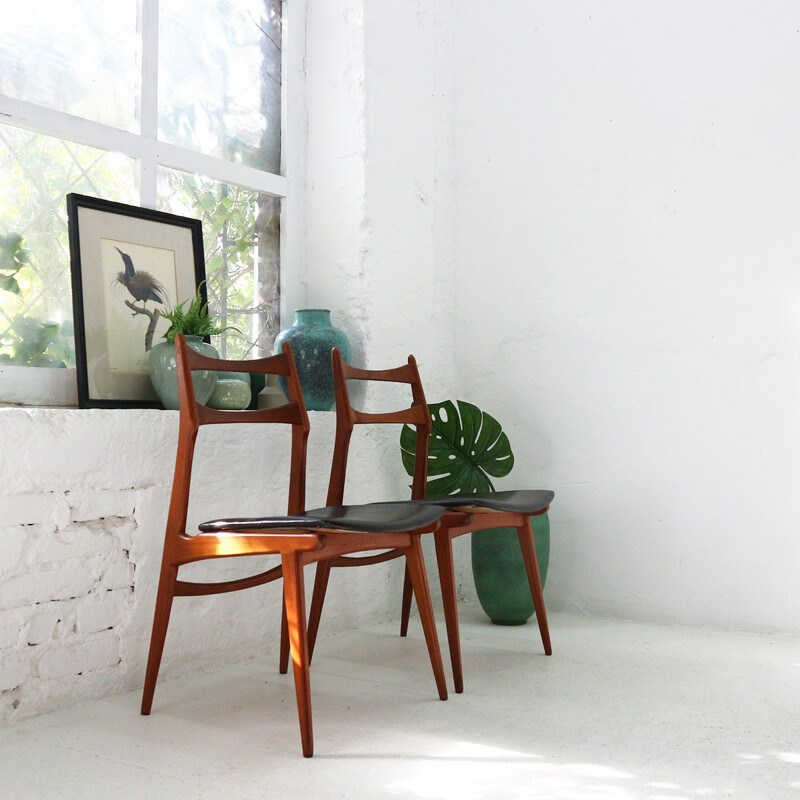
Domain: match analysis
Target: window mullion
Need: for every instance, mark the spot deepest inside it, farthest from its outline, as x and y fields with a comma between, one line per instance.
x=148, y=101
x=104, y=137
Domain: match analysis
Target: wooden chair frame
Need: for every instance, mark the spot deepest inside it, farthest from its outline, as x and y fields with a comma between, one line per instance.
x=464, y=514
x=347, y=417
x=298, y=538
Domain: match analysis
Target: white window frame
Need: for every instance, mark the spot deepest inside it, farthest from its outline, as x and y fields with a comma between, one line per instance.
x=41, y=386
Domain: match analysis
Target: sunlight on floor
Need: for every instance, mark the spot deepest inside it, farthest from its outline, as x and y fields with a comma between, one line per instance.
x=789, y=758
x=472, y=771
x=475, y=772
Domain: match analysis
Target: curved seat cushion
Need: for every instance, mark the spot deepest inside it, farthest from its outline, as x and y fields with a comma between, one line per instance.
x=522, y=501
x=370, y=518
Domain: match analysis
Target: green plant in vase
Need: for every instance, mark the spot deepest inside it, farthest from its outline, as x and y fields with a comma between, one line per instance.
x=468, y=448
x=195, y=323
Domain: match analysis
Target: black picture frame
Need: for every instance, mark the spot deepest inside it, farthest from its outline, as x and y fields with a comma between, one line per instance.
x=128, y=264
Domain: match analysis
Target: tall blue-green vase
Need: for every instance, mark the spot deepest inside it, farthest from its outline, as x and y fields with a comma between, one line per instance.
x=312, y=337
x=499, y=571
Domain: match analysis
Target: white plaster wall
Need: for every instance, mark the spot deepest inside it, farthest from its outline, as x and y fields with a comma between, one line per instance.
x=409, y=180
x=628, y=292
x=379, y=204
x=380, y=179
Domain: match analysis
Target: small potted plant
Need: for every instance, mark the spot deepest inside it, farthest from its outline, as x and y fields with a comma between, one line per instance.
x=467, y=449
x=195, y=324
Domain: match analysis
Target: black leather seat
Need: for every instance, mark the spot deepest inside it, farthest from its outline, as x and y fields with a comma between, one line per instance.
x=369, y=518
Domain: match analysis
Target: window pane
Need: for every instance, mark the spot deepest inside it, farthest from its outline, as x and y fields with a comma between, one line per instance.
x=241, y=239
x=77, y=56
x=220, y=78
x=36, y=173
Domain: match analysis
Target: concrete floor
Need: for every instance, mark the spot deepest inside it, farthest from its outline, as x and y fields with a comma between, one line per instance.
x=621, y=710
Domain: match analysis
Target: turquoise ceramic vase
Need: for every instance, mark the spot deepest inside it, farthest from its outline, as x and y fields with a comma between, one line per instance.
x=164, y=372
x=499, y=571
x=312, y=337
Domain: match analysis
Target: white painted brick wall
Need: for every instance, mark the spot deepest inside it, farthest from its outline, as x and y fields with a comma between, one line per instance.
x=14, y=671
x=26, y=509
x=82, y=511
x=101, y=615
x=87, y=655
x=77, y=541
x=42, y=628
x=63, y=583
x=12, y=546
x=118, y=575
x=89, y=505
x=10, y=626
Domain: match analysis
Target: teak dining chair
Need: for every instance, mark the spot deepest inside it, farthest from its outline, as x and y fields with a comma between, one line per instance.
x=465, y=513
x=300, y=538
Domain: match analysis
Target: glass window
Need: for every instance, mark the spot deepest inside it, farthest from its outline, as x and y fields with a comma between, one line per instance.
x=241, y=240
x=87, y=75
x=223, y=98
x=78, y=56
x=36, y=173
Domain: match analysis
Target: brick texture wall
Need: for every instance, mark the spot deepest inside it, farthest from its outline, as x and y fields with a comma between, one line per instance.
x=83, y=503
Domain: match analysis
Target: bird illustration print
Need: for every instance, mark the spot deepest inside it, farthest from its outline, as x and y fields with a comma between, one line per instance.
x=140, y=284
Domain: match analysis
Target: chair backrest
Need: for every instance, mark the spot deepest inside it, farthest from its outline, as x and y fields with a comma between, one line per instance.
x=347, y=417
x=194, y=414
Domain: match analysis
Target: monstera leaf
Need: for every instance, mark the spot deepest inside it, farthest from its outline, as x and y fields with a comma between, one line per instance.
x=467, y=447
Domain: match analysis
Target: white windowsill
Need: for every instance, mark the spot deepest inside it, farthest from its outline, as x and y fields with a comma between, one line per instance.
x=38, y=386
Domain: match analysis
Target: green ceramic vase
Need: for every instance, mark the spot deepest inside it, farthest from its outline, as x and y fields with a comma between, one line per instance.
x=164, y=372
x=232, y=392
x=312, y=337
x=499, y=571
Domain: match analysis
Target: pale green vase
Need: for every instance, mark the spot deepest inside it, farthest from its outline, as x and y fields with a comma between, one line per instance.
x=164, y=372
x=232, y=392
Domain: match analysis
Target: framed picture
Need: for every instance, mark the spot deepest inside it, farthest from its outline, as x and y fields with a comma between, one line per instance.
x=129, y=264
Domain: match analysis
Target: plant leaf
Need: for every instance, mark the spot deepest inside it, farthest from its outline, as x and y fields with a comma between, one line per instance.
x=9, y=284
x=467, y=446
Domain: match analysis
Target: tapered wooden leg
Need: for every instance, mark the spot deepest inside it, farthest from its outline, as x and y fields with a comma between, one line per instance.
x=317, y=601
x=447, y=578
x=283, y=658
x=405, y=611
x=419, y=580
x=294, y=602
x=532, y=567
x=166, y=591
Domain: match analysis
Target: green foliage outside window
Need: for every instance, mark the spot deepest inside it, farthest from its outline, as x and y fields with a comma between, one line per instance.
x=30, y=341
x=241, y=233
x=36, y=172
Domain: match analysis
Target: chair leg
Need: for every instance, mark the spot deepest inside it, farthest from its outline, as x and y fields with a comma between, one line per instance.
x=419, y=580
x=321, y=576
x=283, y=658
x=294, y=603
x=166, y=592
x=525, y=533
x=405, y=612
x=447, y=578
